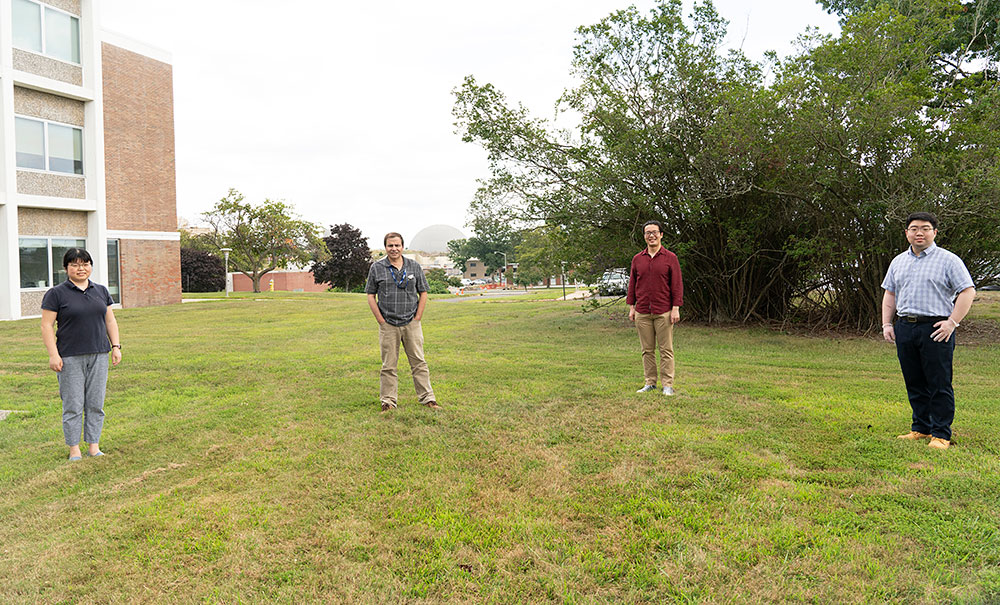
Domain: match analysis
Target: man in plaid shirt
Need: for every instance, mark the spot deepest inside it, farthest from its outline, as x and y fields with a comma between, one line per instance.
x=929, y=290
x=397, y=295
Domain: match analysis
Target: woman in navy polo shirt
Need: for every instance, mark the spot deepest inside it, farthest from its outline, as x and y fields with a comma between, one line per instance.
x=78, y=351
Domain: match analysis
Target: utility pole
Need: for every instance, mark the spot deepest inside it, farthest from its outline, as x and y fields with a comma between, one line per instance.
x=563, y=280
x=226, y=251
x=503, y=275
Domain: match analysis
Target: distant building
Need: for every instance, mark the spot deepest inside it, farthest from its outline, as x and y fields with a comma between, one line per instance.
x=192, y=230
x=475, y=269
x=86, y=157
x=428, y=261
x=290, y=280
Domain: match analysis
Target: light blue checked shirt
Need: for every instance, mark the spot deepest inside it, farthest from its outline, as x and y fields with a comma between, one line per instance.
x=926, y=284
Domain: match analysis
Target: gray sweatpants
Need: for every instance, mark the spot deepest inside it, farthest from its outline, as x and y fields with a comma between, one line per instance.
x=82, y=382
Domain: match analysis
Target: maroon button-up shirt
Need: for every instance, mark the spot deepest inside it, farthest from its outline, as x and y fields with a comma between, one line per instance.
x=654, y=283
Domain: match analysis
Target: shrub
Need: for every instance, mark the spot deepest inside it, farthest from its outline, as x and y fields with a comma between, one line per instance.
x=436, y=287
x=201, y=271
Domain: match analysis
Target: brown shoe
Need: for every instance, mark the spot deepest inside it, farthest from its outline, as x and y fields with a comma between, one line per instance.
x=913, y=436
x=388, y=406
x=939, y=443
x=433, y=405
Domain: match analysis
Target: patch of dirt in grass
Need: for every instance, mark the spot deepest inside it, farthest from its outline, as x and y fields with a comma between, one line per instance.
x=523, y=470
x=625, y=471
x=775, y=483
x=979, y=332
x=747, y=402
x=147, y=474
x=852, y=571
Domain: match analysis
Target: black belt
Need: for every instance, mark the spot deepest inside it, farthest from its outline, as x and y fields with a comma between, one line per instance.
x=921, y=319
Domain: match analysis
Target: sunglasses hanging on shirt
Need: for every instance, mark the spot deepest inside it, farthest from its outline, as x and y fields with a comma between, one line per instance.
x=399, y=278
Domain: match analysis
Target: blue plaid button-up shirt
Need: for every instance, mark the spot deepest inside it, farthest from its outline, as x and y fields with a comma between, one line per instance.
x=926, y=284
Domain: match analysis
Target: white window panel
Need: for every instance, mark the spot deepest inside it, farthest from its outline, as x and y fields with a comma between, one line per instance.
x=29, y=136
x=27, y=22
x=62, y=36
x=65, y=149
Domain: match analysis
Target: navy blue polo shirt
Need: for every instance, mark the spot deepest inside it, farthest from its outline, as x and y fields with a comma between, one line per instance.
x=80, y=327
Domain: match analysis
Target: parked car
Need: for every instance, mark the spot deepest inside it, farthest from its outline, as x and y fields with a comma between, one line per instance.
x=992, y=284
x=614, y=282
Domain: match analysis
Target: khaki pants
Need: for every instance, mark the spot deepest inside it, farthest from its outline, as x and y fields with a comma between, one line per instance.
x=412, y=337
x=656, y=332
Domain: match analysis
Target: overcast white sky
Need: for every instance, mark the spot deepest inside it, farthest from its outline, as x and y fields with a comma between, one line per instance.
x=343, y=109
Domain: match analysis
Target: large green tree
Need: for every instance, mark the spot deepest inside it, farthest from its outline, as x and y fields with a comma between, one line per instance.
x=490, y=250
x=539, y=255
x=782, y=185
x=262, y=237
x=671, y=130
x=872, y=128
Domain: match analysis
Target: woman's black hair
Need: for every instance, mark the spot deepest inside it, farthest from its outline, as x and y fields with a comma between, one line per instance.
x=76, y=254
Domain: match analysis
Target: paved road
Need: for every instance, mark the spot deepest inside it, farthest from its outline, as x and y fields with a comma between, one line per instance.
x=485, y=294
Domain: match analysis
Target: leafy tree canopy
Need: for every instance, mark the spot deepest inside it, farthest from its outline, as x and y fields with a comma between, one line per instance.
x=974, y=35
x=262, y=237
x=348, y=261
x=782, y=185
x=201, y=271
x=539, y=255
x=488, y=251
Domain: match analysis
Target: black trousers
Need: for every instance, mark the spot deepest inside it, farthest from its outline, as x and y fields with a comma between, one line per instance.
x=926, y=366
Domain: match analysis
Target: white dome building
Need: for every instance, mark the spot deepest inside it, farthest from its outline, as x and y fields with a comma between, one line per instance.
x=434, y=238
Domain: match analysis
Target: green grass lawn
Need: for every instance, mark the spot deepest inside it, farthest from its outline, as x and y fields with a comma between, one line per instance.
x=248, y=462
x=987, y=306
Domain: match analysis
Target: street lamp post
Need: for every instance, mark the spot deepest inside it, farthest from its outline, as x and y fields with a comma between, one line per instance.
x=563, y=280
x=504, y=273
x=226, y=251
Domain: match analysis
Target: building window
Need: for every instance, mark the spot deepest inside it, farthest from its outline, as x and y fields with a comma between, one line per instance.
x=41, y=260
x=65, y=149
x=34, y=262
x=472, y=275
x=61, y=39
x=44, y=145
x=114, y=272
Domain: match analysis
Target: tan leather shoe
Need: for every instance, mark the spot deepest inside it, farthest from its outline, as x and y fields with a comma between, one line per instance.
x=939, y=443
x=913, y=435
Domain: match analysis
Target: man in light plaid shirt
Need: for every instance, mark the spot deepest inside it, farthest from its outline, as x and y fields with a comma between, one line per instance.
x=929, y=290
x=397, y=295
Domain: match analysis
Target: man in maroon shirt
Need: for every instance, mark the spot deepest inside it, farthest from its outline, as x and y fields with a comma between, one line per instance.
x=655, y=294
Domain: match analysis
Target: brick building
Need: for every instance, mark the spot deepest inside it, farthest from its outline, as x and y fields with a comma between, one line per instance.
x=291, y=280
x=86, y=157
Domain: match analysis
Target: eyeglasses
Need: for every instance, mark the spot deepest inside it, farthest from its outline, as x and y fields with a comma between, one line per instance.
x=648, y=233
x=924, y=229
x=78, y=265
